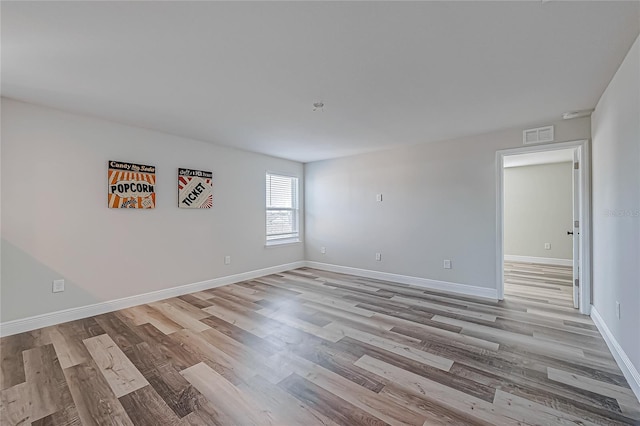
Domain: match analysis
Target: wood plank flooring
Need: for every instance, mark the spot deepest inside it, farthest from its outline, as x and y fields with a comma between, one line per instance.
x=309, y=347
x=538, y=283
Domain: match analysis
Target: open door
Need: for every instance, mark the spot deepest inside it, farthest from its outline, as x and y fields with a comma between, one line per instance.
x=575, y=233
x=580, y=232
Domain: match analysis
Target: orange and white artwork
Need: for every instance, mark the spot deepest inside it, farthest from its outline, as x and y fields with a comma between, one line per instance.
x=195, y=189
x=131, y=186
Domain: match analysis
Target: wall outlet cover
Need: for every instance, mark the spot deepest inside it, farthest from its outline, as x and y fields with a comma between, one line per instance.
x=58, y=286
x=446, y=264
x=227, y=260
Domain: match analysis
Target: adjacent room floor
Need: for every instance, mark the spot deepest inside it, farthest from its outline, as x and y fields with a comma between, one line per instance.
x=311, y=347
x=536, y=283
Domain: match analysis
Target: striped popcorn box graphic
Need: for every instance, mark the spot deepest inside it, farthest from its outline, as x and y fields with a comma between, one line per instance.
x=195, y=189
x=131, y=186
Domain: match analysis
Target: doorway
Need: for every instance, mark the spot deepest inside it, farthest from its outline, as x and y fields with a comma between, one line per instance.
x=565, y=274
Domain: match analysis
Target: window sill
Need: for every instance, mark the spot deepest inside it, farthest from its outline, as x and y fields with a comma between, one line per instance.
x=271, y=244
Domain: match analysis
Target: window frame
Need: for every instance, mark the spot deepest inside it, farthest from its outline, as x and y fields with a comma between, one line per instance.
x=295, y=210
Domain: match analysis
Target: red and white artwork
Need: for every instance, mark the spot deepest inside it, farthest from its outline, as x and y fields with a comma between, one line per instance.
x=195, y=189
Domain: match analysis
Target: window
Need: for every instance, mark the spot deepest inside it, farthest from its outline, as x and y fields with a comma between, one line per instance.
x=282, y=209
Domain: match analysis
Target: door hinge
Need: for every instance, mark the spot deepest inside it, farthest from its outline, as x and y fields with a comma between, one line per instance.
x=577, y=282
x=576, y=165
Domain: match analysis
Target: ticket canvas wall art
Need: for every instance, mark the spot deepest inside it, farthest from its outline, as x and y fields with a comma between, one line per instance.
x=131, y=186
x=195, y=189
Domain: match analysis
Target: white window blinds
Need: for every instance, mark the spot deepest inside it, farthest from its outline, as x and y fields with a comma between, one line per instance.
x=282, y=209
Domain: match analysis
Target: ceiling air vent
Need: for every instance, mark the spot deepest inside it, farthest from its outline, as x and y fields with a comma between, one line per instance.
x=538, y=135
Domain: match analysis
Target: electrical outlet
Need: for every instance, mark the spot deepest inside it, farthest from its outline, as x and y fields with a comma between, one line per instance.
x=446, y=264
x=378, y=256
x=547, y=246
x=323, y=250
x=58, y=286
x=378, y=197
x=227, y=260
x=618, y=310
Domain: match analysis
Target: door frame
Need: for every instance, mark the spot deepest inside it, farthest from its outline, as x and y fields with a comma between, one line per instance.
x=585, y=214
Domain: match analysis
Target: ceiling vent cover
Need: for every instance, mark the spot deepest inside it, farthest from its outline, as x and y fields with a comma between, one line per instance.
x=537, y=135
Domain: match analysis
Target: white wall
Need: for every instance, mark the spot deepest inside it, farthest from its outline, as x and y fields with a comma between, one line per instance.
x=538, y=209
x=439, y=202
x=56, y=224
x=616, y=205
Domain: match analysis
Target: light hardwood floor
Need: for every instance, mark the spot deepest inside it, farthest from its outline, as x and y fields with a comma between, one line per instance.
x=537, y=283
x=309, y=347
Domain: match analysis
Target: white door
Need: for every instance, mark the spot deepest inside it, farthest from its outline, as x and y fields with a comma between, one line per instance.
x=576, y=227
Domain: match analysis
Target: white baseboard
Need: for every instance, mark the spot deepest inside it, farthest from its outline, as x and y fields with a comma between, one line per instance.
x=542, y=260
x=468, y=290
x=628, y=369
x=31, y=323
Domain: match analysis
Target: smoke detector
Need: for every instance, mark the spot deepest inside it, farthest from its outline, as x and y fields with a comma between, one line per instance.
x=576, y=114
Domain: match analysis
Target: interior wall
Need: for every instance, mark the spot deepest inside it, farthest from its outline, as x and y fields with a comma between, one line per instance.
x=538, y=209
x=616, y=205
x=439, y=202
x=56, y=224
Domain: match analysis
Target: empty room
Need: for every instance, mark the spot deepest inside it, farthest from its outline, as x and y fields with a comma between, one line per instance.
x=320, y=213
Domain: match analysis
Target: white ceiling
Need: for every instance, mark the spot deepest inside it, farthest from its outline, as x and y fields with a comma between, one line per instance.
x=535, y=158
x=245, y=74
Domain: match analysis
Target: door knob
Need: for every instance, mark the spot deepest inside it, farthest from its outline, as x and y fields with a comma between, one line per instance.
x=569, y=233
